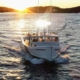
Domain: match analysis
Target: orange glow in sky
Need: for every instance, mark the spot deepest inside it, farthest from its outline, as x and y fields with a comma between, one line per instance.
x=22, y=4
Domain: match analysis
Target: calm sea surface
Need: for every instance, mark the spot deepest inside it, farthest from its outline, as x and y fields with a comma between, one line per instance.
x=13, y=66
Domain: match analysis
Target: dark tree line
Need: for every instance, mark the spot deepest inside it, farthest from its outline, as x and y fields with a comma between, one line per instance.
x=5, y=9
x=53, y=9
x=46, y=9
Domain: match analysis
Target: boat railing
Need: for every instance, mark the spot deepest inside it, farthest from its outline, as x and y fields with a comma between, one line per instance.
x=43, y=38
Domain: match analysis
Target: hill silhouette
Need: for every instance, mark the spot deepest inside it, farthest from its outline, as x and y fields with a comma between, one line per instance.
x=5, y=9
x=53, y=9
x=45, y=9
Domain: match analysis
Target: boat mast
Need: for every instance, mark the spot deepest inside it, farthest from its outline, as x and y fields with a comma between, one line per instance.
x=50, y=21
x=49, y=30
x=38, y=6
x=50, y=13
x=38, y=16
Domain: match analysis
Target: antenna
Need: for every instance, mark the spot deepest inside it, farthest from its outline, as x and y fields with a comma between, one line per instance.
x=50, y=13
x=50, y=16
x=38, y=16
x=38, y=6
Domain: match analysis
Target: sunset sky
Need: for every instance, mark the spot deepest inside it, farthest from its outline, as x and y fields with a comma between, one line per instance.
x=22, y=4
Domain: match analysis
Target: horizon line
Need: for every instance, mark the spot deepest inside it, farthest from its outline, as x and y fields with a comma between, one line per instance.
x=41, y=6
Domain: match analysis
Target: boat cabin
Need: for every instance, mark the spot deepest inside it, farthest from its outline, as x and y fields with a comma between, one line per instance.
x=42, y=40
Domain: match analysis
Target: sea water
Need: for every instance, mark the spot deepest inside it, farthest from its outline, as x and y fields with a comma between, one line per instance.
x=15, y=65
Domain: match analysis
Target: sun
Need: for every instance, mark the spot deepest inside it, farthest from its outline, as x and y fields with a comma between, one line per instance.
x=20, y=8
x=21, y=5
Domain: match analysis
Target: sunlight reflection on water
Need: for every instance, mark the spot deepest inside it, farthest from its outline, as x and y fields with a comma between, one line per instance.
x=16, y=25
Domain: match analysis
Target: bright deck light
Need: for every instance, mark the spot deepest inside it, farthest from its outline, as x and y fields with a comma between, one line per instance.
x=42, y=23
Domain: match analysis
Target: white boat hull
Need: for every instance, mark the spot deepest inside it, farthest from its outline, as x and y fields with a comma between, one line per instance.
x=44, y=52
x=48, y=53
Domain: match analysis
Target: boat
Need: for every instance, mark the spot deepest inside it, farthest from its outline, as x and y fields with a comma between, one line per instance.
x=43, y=45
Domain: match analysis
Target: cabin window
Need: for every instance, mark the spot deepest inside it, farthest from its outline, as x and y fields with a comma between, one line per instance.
x=55, y=39
x=26, y=42
x=48, y=39
x=33, y=44
x=40, y=39
x=34, y=39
